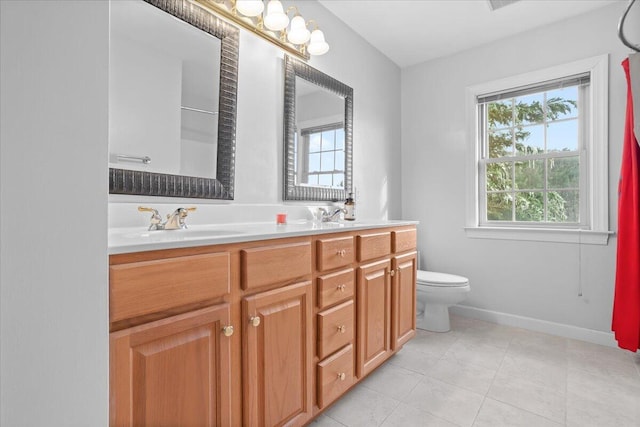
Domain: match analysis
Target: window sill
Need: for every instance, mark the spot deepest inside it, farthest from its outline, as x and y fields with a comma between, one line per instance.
x=586, y=237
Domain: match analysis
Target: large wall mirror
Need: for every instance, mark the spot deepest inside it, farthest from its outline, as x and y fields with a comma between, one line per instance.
x=318, y=134
x=172, y=100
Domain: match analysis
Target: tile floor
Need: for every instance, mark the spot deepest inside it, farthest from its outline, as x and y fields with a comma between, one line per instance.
x=486, y=375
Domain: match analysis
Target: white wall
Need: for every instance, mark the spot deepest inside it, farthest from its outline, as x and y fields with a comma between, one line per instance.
x=321, y=106
x=259, y=140
x=531, y=279
x=53, y=213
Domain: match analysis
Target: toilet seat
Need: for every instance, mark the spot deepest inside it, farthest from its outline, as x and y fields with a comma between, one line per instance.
x=436, y=279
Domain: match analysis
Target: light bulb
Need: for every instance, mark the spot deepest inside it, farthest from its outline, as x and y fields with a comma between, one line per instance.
x=298, y=33
x=317, y=45
x=276, y=19
x=250, y=7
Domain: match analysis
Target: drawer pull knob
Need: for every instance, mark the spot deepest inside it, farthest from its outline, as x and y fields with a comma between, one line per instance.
x=342, y=288
x=342, y=376
x=255, y=320
x=342, y=329
x=227, y=330
x=342, y=253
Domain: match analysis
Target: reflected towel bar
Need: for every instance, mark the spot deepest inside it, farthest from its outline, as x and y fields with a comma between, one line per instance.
x=144, y=159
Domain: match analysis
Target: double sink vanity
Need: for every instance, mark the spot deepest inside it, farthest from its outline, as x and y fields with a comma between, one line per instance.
x=237, y=324
x=253, y=324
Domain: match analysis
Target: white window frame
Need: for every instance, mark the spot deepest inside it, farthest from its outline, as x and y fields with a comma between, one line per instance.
x=303, y=159
x=595, y=231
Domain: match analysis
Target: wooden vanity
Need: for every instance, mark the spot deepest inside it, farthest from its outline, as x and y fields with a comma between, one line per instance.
x=258, y=333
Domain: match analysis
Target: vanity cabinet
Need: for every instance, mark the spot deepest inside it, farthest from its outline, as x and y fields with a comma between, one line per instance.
x=335, y=318
x=403, y=289
x=386, y=295
x=403, y=299
x=177, y=370
x=277, y=356
x=374, y=315
x=173, y=372
x=277, y=346
x=260, y=333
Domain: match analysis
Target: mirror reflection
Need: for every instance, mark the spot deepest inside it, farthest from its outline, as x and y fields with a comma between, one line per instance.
x=318, y=134
x=163, y=92
x=319, y=145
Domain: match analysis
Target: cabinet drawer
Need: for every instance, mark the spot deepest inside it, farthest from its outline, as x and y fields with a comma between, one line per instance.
x=273, y=264
x=372, y=246
x=335, y=328
x=335, y=376
x=140, y=288
x=336, y=287
x=334, y=253
x=403, y=240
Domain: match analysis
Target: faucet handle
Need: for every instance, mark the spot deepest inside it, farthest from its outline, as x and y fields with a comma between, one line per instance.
x=146, y=209
x=156, y=219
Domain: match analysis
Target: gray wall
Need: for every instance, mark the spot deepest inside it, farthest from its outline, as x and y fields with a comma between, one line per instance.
x=530, y=279
x=53, y=206
x=53, y=197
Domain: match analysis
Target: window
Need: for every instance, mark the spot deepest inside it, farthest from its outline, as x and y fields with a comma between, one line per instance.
x=531, y=157
x=540, y=169
x=322, y=156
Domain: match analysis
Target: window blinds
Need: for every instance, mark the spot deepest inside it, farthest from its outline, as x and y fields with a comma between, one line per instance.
x=575, y=80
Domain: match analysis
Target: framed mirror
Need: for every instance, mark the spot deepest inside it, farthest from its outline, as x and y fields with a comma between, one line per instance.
x=318, y=134
x=172, y=100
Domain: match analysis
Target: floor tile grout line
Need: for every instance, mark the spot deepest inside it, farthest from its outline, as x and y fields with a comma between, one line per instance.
x=566, y=384
x=391, y=412
x=484, y=398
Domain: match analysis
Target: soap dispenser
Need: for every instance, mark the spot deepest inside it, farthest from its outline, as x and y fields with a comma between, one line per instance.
x=350, y=208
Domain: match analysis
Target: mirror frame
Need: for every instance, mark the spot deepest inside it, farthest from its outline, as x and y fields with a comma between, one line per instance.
x=292, y=69
x=123, y=181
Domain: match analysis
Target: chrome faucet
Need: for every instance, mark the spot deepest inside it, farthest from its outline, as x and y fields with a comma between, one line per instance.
x=175, y=220
x=326, y=216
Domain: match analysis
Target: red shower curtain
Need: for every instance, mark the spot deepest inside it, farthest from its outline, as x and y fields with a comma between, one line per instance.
x=626, y=302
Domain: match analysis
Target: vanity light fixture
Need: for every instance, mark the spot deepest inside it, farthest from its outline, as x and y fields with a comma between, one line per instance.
x=275, y=19
x=250, y=8
x=271, y=24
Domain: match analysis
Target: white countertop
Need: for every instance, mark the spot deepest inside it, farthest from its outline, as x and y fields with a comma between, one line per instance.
x=137, y=239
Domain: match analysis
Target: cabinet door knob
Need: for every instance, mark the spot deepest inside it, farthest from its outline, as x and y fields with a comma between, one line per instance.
x=342, y=253
x=342, y=376
x=342, y=329
x=227, y=330
x=392, y=273
x=342, y=288
x=255, y=320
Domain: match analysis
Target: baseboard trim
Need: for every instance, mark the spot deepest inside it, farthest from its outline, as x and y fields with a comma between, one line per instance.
x=552, y=328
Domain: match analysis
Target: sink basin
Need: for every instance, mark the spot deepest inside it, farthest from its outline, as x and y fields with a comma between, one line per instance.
x=314, y=225
x=205, y=233
x=332, y=224
x=163, y=235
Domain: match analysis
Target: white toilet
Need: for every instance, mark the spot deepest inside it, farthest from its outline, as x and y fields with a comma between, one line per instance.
x=435, y=294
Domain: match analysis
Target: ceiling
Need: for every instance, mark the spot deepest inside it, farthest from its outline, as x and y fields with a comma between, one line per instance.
x=413, y=31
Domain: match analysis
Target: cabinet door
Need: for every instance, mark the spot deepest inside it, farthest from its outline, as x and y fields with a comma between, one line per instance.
x=173, y=372
x=403, y=300
x=374, y=316
x=278, y=356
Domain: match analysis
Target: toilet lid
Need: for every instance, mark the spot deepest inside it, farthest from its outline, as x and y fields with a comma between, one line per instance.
x=433, y=278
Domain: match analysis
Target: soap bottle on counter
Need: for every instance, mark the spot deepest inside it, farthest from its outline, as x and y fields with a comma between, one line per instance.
x=350, y=208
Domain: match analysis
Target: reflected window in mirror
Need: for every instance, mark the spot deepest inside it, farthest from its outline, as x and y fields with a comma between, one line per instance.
x=321, y=156
x=318, y=134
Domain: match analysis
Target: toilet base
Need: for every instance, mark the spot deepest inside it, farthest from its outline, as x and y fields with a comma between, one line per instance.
x=435, y=318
